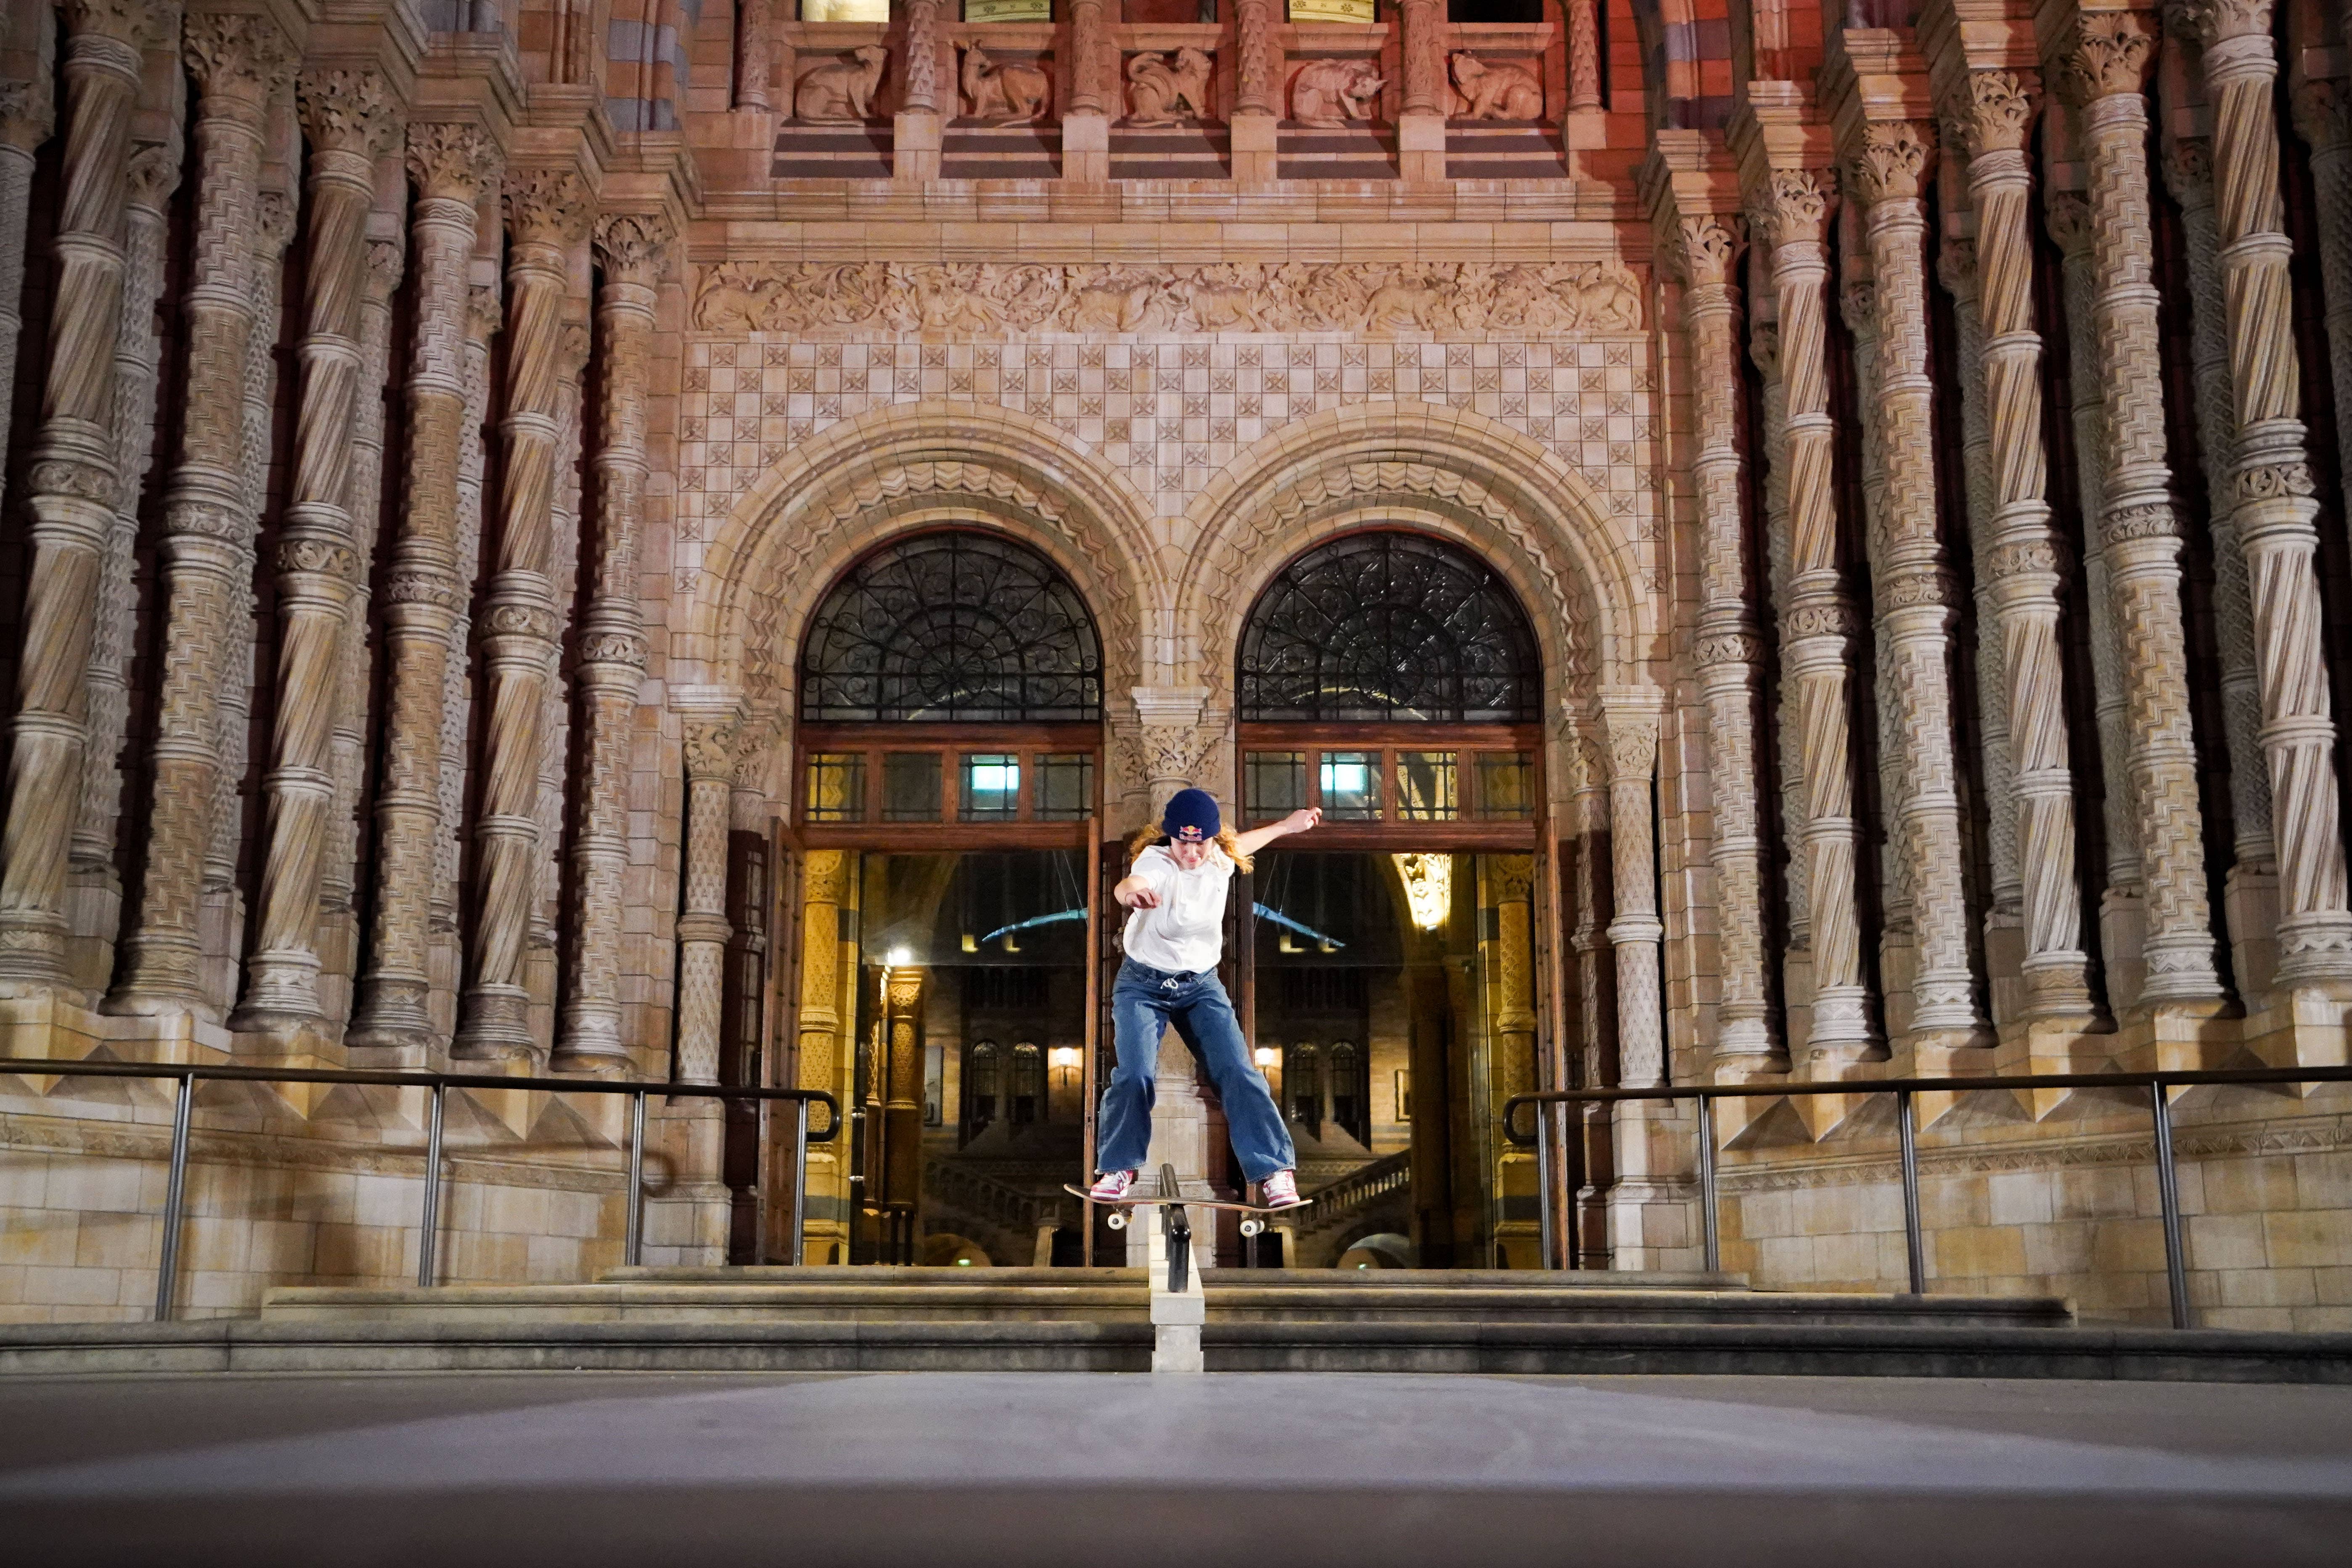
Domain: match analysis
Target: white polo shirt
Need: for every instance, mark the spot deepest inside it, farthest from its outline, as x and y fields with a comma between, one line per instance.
x=1186, y=934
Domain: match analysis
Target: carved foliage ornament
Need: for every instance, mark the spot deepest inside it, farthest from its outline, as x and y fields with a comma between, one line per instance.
x=1704, y=248
x=348, y=112
x=547, y=206
x=1995, y=111
x=1792, y=207
x=452, y=160
x=2212, y=21
x=2111, y=53
x=28, y=111
x=635, y=246
x=1892, y=161
x=990, y=298
x=245, y=58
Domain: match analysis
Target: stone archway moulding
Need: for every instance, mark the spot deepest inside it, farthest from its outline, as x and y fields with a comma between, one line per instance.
x=1580, y=575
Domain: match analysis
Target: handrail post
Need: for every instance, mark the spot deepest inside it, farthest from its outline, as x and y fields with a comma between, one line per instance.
x=427, y=1243
x=1711, y=1237
x=633, y=1247
x=800, y=1179
x=175, y=1191
x=2167, y=1194
x=1914, y=1244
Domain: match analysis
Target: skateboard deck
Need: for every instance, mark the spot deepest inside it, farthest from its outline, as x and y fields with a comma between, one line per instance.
x=1132, y=1201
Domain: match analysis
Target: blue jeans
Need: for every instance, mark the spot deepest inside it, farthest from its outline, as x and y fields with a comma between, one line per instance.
x=1144, y=1003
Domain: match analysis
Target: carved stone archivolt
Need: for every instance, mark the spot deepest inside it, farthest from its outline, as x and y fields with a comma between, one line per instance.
x=984, y=299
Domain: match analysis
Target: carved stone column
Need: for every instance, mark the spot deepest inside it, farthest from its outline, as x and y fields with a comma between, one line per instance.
x=1257, y=91
x=2020, y=559
x=352, y=120
x=1816, y=620
x=1584, y=63
x=924, y=108
x=702, y=927
x=485, y=319
x=96, y=888
x=386, y=261
x=612, y=647
x=2322, y=114
x=451, y=166
x=1635, y=933
x=27, y=115
x=1094, y=93
x=555, y=754
x=71, y=491
x=826, y=971
x=2274, y=505
x=1764, y=348
x=238, y=63
x=1704, y=247
x=547, y=213
x=1911, y=583
x=753, y=58
x=1428, y=96
x=2254, y=879
x=2138, y=529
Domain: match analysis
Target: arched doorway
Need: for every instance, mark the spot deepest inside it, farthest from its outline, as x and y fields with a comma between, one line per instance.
x=1391, y=964
x=949, y=749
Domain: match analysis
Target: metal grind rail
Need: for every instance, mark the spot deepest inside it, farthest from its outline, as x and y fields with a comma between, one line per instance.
x=439, y=1084
x=2157, y=1086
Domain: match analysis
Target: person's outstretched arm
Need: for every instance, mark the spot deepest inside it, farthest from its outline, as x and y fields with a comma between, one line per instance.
x=1298, y=821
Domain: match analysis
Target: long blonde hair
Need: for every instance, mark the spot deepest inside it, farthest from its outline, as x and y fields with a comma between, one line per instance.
x=1151, y=834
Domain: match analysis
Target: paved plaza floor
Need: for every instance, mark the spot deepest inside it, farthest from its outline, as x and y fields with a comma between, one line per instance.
x=520, y=1469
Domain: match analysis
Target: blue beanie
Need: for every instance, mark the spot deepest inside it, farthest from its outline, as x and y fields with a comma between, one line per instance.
x=1192, y=816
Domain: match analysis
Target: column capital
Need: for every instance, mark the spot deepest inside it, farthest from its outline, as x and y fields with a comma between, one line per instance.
x=636, y=246
x=387, y=261
x=2211, y=22
x=1993, y=110
x=548, y=207
x=153, y=174
x=2188, y=170
x=1631, y=722
x=2111, y=53
x=141, y=24
x=346, y=110
x=1890, y=160
x=1793, y=207
x=240, y=61
x=710, y=748
x=1702, y=248
x=2067, y=215
x=1956, y=264
x=1764, y=348
x=28, y=112
x=452, y=160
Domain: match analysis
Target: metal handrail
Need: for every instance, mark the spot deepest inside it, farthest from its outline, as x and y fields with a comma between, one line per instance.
x=439, y=1083
x=2168, y=1187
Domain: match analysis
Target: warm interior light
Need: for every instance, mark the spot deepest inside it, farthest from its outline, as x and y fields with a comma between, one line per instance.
x=1264, y=1056
x=1067, y=1057
x=901, y=957
x=1428, y=887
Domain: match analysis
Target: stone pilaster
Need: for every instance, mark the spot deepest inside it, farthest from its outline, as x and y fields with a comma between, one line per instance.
x=1911, y=584
x=612, y=650
x=2323, y=115
x=2018, y=559
x=96, y=887
x=451, y=166
x=1704, y=248
x=238, y=63
x=702, y=927
x=2273, y=503
x=71, y=491
x=1635, y=933
x=547, y=213
x=2252, y=892
x=352, y=120
x=1816, y=622
x=2138, y=526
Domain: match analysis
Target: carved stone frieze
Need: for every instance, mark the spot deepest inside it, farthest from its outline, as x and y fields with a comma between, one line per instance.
x=989, y=299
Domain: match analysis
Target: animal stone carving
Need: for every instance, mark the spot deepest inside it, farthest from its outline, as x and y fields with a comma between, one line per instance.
x=1005, y=94
x=1498, y=91
x=840, y=93
x=1329, y=93
x=1160, y=94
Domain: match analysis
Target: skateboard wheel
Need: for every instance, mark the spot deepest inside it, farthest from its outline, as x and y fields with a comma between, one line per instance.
x=1252, y=1227
x=1115, y=1220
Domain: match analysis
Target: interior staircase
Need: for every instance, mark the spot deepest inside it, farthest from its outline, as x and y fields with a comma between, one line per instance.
x=876, y=1320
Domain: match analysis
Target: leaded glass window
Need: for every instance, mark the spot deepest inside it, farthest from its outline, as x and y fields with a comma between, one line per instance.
x=1389, y=626
x=956, y=627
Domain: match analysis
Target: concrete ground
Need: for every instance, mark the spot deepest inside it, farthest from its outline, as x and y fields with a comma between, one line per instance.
x=520, y=1469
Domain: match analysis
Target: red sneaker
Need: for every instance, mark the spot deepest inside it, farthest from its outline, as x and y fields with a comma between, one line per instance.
x=1279, y=1191
x=1112, y=1186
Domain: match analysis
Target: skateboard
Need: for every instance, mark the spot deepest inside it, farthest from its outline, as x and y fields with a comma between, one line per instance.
x=1253, y=1223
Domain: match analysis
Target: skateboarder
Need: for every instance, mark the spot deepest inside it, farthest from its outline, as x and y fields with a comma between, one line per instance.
x=1174, y=936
